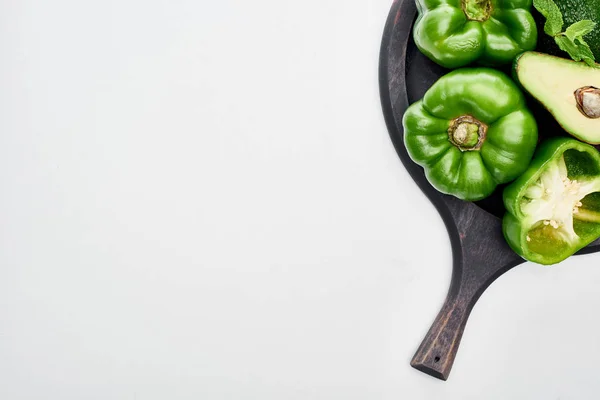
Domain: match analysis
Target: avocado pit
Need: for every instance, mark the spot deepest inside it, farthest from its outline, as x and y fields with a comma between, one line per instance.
x=588, y=101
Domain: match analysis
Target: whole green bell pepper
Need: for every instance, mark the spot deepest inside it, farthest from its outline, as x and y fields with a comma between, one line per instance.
x=470, y=132
x=553, y=209
x=454, y=33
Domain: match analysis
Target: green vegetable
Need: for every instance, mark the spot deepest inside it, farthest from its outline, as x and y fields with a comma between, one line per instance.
x=580, y=17
x=553, y=209
x=454, y=33
x=568, y=89
x=470, y=132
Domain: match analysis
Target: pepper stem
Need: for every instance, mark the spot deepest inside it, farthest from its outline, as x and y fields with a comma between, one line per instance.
x=467, y=133
x=477, y=10
x=588, y=101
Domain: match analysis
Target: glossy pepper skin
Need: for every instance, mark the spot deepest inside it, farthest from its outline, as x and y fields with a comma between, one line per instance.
x=470, y=132
x=454, y=33
x=553, y=209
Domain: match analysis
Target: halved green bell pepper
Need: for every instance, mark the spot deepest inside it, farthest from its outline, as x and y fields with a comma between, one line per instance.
x=454, y=33
x=470, y=132
x=553, y=209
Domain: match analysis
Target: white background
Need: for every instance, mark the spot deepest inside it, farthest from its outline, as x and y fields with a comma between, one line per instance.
x=200, y=200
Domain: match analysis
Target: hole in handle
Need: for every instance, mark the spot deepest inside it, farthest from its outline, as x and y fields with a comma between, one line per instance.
x=436, y=359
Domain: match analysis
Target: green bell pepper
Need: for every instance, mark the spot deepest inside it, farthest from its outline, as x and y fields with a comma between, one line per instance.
x=470, y=132
x=454, y=33
x=553, y=209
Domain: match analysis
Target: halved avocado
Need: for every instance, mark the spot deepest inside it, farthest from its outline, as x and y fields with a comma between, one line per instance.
x=568, y=89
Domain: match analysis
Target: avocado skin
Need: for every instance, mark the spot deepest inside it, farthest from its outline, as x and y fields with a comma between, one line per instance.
x=572, y=11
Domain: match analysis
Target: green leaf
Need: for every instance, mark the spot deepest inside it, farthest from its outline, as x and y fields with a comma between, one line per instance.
x=579, y=29
x=566, y=44
x=586, y=53
x=571, y=40
x=554, y=19
x=579, y=51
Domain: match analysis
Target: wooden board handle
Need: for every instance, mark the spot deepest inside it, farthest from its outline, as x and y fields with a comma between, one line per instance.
x=480, y=255
x=436, y=353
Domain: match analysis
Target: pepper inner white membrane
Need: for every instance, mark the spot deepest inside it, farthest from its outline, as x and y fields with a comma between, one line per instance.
x=555, y=200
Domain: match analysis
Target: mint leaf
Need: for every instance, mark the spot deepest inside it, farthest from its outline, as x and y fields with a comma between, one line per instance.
x=554, y=19
x=571, y=40
x=586, y=53
x=579, y=29
x=566, y=44
x=579, y=51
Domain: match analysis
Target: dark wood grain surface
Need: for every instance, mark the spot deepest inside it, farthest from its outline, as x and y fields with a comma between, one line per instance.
x=480, y=253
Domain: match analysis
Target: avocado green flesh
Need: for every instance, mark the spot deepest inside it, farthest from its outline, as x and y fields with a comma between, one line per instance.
x=553, y=82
